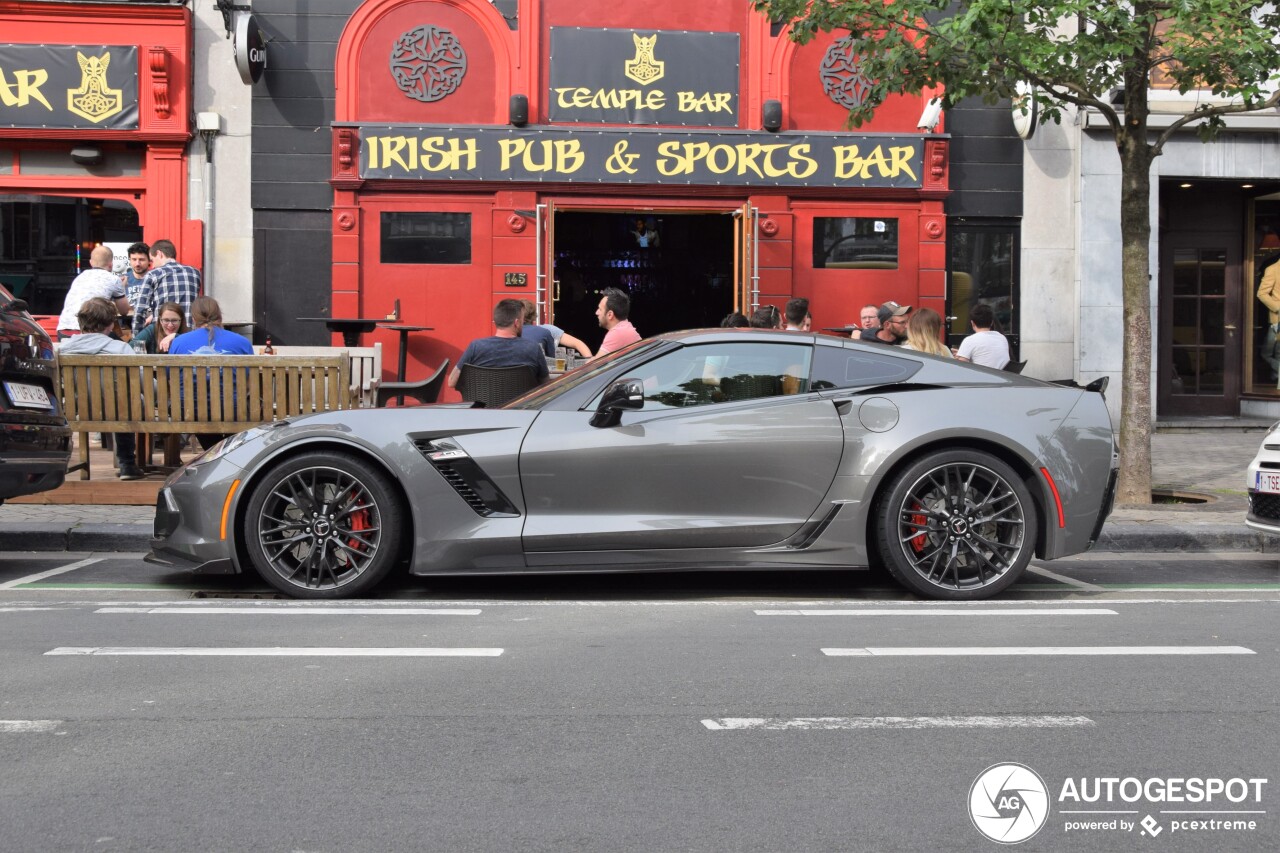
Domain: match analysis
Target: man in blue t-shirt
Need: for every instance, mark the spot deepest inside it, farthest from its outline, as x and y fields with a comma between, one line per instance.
x=505, y=348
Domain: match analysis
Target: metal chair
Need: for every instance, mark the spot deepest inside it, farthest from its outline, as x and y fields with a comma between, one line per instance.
x=427, y=391
x=1015, y=366
x=494, y=386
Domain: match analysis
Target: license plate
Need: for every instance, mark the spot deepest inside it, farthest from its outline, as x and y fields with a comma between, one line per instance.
x=30, y=396
x=1268, y=482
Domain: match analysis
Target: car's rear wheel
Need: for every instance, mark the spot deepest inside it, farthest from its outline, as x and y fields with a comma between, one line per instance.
x=322, y=525
x=956, y=524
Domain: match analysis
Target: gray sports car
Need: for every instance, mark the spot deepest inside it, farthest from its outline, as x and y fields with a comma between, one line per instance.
x=719, y=449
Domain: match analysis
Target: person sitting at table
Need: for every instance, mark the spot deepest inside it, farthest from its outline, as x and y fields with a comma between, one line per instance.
x=529, y=330
x=157, y=337
x=209, y=338
x=559, y=337
x=505, y=348
x=95, y=317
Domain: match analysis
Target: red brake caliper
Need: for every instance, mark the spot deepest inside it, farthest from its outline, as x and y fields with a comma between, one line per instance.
x=360, y=520
x=918, y=541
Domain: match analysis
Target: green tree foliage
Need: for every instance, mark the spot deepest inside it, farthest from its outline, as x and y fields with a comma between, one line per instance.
x=1075, y=53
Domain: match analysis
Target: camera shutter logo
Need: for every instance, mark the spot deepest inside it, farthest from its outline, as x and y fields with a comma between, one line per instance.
x=1008, y=803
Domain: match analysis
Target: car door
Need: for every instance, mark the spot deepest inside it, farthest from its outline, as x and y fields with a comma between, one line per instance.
x=729, y=450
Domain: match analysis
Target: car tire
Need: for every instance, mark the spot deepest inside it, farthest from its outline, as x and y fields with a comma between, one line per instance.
x=957, y=525
x=323, y=525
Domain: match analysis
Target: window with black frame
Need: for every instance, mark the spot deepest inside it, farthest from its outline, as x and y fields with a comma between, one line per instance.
x=982, y=266
x=418, y=237
x=855, y=242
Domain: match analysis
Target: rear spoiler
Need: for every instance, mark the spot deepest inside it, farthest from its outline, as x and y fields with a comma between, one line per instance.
x=1098, y=386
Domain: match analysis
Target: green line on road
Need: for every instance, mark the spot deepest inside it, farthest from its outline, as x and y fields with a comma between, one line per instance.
x=1264, y=587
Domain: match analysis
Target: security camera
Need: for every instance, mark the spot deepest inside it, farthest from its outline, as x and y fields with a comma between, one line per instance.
x=932, y=113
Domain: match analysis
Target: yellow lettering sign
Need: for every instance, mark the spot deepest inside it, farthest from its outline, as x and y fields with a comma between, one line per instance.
x=711, y=102
x=850, y=164
x=562, y=155
x=24, y=88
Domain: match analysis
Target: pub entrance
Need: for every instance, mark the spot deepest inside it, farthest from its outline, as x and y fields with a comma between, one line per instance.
x=677, y=267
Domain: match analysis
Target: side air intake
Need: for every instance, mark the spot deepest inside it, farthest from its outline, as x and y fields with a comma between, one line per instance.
x=467, y=478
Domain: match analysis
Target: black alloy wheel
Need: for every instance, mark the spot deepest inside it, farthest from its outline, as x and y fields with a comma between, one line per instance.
x=957, y=524
x=323, y=525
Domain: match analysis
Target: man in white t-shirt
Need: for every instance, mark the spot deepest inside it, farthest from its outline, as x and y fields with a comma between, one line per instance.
x=98, y=280
x=985, y=346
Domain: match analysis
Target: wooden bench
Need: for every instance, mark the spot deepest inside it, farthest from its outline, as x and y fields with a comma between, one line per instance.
x=175, y=394
x=366, y=367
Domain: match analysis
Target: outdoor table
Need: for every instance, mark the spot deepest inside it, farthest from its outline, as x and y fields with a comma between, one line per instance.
x=351, y=328
x=848, y=330
x=404, y=331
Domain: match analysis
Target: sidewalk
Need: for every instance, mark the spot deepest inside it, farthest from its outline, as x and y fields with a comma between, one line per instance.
x=1206, y=461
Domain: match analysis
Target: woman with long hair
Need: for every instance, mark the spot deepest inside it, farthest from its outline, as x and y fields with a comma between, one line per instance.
x=158, y=335
x=208, y=337
x=924, y=333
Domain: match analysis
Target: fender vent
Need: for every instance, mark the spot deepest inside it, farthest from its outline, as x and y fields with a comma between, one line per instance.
x=467, y=479
x=809, y=533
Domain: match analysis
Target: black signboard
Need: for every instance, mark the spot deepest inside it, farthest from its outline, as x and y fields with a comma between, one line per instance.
x=643, y=77
x=632, y=156
x=69, y=86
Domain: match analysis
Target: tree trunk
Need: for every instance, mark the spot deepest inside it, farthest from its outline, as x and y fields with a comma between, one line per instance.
x=1135, y=256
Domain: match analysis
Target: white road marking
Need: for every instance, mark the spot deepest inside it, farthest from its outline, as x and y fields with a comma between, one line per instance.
x=937, y=611
x=275, y=651
x=1273, y=598
x=963, y=651
x=1078, y=584
x=298, y=611
x=79, y=564
x=27, y=609
x=1009, y=721
x=10, y=727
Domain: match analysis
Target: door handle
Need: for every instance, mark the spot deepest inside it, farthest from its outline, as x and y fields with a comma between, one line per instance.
x=1229, y=328
x=556, y=282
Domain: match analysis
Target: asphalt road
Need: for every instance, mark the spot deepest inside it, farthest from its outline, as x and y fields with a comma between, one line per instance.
x=673, y=712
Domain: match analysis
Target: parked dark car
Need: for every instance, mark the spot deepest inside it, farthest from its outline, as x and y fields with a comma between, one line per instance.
x=35, y=443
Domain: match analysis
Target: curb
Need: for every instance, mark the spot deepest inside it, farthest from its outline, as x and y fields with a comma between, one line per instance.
x=45, y=536
x=1190, y=538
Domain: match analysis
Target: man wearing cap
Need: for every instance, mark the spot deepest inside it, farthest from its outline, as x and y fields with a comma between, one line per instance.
x=893, y=325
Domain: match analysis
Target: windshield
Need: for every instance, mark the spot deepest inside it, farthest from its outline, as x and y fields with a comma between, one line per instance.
x=544, y=394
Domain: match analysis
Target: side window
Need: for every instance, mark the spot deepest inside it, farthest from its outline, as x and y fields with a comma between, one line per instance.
x=720, y=373
x=837, y=367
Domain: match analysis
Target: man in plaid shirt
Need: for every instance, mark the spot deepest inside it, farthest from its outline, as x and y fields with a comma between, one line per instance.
x=167, y=281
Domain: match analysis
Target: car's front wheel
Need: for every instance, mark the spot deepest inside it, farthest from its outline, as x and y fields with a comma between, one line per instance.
x=322, y=525
x=956, y=524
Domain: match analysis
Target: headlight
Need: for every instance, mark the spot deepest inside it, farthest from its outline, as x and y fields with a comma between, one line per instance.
x=228, y=444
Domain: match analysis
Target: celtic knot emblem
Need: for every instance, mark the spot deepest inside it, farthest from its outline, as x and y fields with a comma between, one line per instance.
x=842, y=77
x=428, y=63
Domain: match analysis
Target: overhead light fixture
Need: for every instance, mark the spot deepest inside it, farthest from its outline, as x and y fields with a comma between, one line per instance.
x=1246, y=186
x=87, y=155
x=1185, y=186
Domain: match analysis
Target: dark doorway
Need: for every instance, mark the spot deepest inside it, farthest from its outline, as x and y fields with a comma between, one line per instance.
x=1202, y=333
x=677, y=267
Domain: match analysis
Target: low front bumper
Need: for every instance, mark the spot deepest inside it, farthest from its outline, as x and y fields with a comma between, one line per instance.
x=1264, y=512
x=189, y=533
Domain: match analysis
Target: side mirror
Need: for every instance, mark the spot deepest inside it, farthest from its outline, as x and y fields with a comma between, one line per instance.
x=16, y=305
x=623, y=395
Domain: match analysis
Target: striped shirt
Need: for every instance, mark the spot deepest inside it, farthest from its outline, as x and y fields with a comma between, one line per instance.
x=173, y=282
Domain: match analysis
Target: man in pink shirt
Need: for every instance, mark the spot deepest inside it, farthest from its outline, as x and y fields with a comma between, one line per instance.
x=615, y=306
